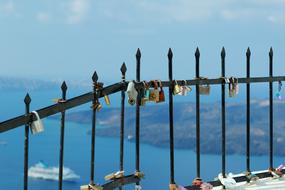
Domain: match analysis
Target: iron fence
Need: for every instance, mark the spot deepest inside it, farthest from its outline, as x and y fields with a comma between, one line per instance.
x=99, y=91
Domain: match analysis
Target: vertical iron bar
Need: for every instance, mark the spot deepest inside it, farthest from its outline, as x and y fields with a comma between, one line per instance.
x=248, y=53
x=138, y=65
x=271, y=109
x=61, y=150
x=223, y=55
x=95, y=79
x=27, y=101
x=197, y=57
x=122, y=133
x=171, y=134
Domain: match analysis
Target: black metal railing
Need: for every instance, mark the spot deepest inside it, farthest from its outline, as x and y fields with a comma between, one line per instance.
x=99, y=91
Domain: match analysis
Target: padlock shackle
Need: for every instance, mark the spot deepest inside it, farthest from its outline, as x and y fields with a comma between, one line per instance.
x=36, y=115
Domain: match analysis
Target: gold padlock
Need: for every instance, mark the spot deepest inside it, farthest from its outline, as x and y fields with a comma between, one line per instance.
x=173, y=186
x=107, y=100
x=99, y=107
x=177, y=88
x=96, y=106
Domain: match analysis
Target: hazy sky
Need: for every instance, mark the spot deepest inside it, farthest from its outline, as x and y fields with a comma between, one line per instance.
x=69, y=39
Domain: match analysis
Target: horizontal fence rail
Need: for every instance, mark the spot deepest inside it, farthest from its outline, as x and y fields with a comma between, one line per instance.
x=112, y=89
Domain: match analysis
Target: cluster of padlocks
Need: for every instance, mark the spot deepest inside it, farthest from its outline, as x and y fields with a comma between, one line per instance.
x=152, y=91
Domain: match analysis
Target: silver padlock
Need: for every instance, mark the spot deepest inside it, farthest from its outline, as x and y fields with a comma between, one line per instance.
x=37, y=125
x=138, y=187
x=132, y=93
x=185, y=90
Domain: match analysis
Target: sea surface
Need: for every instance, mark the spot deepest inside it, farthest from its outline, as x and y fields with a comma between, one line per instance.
x=45, y=146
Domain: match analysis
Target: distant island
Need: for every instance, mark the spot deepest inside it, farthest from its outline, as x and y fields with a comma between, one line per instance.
x=27, y=84
x=155, y=126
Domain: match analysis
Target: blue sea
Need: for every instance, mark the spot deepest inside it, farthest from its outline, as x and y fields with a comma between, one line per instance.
x=45, y=146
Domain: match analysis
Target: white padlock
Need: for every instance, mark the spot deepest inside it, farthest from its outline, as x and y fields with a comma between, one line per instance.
x=132, y=93
x=37, y=125
x=138, y=187
x=184, y=90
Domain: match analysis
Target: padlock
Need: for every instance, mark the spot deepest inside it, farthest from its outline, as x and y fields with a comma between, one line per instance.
x=226, y=80
x=233, y=87
x=132, y=93
x=37, y=125
x=138, y=187
x=146, y=91
x=113, y=176
x=173, y=186
x=139, y=174
x=107, y=100
x=154, y=93
x=99, y=107
x=184, y=90
x=236, y=86
x=91, y=187
x=204, y=89
x=161, y=93
x=96, y=106
x=231, y=93
x=144, y=94
x=177, y=88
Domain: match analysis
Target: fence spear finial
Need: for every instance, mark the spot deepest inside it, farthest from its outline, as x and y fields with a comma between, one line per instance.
x=95, y=77
x=64, y=86
x=123, y=68
x=197, y=52
x=271, y=52
x=170, y=54
x=138, y=54
x=27, y=99
x=248, y=53
x=223, y=52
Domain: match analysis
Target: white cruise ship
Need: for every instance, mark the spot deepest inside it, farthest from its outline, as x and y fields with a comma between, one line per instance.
x=42, y=171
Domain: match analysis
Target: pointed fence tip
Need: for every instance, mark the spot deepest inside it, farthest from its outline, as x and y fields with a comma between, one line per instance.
x=197, y=52
x=95, y=77
x=271, y=52
x=27, y=99
x=170, y=54
x=223, y=52
x=123, y=68
x=138, y=54
x=64, y=86
x=248, y=52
